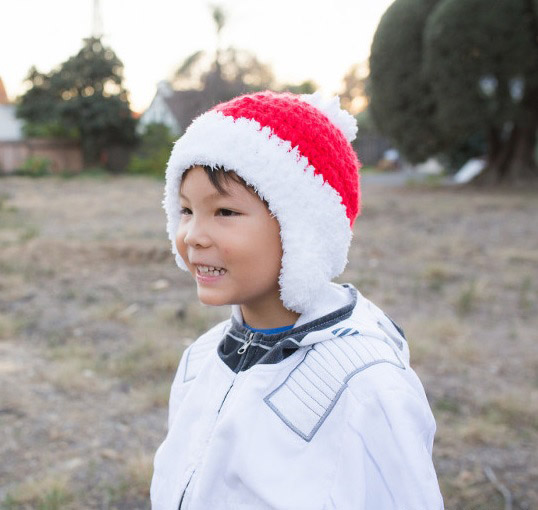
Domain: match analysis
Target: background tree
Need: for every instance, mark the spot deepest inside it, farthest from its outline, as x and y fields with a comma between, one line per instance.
x=224, y=74
x=306, y=87
x=353, y=93
x=484, y=75
x=84, y=98
x=214, y=77
x=447, y=74
x=401, y=102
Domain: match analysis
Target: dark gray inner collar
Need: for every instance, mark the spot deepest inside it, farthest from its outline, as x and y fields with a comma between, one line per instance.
x=242, y=348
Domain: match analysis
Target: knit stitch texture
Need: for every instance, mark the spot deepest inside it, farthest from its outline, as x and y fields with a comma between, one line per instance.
x=308, y=129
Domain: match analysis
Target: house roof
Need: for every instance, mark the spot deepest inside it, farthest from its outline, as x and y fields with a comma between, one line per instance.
x=185, y=105
x=3, y=94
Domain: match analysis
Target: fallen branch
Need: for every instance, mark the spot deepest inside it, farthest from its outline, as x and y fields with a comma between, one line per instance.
x=506, y=494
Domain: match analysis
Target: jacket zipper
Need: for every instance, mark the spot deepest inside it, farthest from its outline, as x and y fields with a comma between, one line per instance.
x=246, y=345
x=184, y=491
x=241, y=350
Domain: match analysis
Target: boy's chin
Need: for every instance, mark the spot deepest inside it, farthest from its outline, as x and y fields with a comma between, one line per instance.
x=211, y=298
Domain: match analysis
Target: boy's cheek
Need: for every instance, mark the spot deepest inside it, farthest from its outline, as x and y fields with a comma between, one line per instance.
x=180, y=243
x=182, y=250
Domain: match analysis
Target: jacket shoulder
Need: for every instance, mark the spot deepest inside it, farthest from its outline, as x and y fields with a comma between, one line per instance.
x=198, y=351
x=308, y=395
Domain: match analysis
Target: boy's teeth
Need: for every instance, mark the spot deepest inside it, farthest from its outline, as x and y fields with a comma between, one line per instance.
x=214, y=271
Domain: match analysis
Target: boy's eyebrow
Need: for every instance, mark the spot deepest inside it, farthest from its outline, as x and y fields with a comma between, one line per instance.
x=216, y=194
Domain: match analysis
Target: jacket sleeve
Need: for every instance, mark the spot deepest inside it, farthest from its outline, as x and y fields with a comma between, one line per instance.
x=386, y=456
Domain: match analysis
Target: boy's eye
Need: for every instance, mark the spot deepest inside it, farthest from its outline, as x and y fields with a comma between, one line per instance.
x=227, y=212
x=220, y=212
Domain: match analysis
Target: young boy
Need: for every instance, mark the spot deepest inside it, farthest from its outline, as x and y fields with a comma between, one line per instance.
x=304, y=399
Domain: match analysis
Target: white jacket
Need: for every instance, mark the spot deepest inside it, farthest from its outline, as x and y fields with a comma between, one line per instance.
x=327, y=415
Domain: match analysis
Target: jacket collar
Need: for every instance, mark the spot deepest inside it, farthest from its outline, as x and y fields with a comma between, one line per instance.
x=334, y=305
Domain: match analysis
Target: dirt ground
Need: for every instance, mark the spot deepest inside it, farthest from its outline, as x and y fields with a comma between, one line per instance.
x=94, y=315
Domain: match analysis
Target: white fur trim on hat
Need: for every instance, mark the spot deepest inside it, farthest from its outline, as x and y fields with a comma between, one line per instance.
x=331, y=109
x=314, y=228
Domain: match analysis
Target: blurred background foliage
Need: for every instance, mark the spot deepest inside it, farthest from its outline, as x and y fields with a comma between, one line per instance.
x=449, y=79
x=459, y=78
x=83, y=98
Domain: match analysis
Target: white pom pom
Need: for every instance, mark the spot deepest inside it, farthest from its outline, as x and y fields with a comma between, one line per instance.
x=331, y=109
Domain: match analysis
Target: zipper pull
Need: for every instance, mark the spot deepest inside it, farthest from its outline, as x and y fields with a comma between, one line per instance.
x=246, y=345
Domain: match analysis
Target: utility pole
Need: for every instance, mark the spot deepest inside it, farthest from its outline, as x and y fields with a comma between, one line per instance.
x=97, y=25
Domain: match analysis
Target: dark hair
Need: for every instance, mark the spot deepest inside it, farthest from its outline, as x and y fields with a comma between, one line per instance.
x=218, y=177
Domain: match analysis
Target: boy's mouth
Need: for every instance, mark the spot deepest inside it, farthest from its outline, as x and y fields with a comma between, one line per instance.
x=210, y=270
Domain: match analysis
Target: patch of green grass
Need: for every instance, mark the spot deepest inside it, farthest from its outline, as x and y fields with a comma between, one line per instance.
x=10, y=219
x=64, y=351
x=525, y=300
x=44, y=494
x=133, y=482
x=197, y=318
x=437, y=275
x=365, y=283
x=9, y=503
x=9, y=326
x=8, y=267
x=427, y=181
x=96, y=172
x=69, y=294
x=511, y=410
x=478, y=431
x=54, y=499
x=4, y=197
x=466, y=301
x=146, y=361
x=138, y=473
x=35, y=166
x=447, y=405
x=155, y=395
x=29, y=232
x=469, y=491
x=55, y=338
x=115, y=493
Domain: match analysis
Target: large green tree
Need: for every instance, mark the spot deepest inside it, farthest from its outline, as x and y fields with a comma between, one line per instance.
x=84, y=97
x=446, y=71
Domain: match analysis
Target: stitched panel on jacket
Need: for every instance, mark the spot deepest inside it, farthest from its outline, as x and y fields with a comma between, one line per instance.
x=198, y=353
x=305, y=399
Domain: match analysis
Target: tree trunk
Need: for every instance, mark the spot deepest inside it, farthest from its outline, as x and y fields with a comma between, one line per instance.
x=510, y=161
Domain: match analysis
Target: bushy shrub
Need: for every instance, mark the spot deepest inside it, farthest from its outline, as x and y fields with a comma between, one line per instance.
x=154, y=151
x=35, y=166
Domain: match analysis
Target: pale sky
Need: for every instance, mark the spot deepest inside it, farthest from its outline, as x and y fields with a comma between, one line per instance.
x=300, y=39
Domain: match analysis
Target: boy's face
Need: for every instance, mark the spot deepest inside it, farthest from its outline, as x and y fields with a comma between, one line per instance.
x=235, y=232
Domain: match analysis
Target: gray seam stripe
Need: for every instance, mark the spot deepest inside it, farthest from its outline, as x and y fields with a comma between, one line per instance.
x=266, y=347
x=237, y=338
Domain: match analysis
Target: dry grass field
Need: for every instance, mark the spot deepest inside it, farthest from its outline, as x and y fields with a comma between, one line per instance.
x=94, y=316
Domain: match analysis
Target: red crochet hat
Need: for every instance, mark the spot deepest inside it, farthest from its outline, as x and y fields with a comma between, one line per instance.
x=296, y=153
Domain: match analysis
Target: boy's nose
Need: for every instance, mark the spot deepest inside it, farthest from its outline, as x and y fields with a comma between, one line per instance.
x=196, y=235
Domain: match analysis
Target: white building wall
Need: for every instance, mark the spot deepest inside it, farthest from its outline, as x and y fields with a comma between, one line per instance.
x=10, y=126
x=159, y=111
